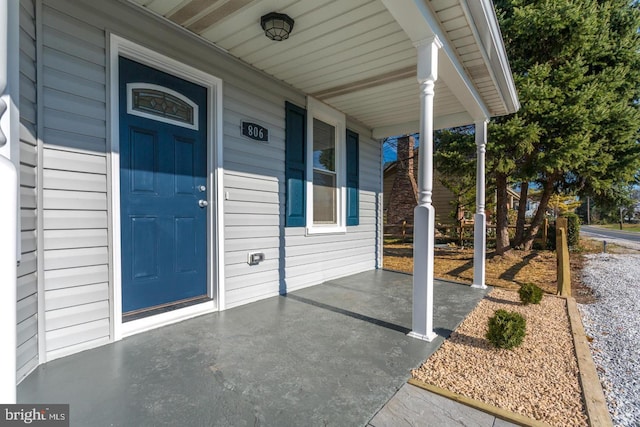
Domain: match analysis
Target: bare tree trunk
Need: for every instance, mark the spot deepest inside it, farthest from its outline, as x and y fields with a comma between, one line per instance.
x=522, y=210
x=547, y=192
x=502, y=219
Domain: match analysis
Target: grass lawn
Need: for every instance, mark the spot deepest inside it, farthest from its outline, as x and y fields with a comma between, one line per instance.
x=625, y=227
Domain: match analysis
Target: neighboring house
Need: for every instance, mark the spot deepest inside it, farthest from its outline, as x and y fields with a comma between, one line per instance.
x=401, y=208
x=399, y=205
x=532, y=208
x=514, y=198
x=174, y=161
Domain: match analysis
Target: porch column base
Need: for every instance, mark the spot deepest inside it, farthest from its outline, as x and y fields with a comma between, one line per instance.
x=430, y=337
x=479, y=250
x=423, y=239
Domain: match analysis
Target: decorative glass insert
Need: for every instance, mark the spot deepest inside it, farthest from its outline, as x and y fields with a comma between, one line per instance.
x=162, y=104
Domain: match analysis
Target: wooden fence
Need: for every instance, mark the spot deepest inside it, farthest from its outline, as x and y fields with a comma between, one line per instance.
x=457, y=233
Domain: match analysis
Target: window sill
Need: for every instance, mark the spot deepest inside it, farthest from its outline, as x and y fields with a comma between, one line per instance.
x=326, y=230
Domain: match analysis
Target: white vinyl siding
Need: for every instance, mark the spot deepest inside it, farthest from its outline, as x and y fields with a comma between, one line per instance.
x=254, y=183
x=74, y=188
x=76, y=171
x=254, y=211
x=27, y=296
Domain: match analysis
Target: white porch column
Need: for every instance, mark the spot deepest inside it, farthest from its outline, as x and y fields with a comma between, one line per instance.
x=424, y=213
x=480, y=219
x=8, y=195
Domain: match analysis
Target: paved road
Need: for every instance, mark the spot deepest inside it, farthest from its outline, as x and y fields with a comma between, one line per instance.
x=628, y=239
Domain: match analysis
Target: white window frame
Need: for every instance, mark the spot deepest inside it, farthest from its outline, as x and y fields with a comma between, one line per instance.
x=321, y=111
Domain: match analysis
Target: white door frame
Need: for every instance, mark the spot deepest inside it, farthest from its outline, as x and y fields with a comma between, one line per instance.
x=215, y=225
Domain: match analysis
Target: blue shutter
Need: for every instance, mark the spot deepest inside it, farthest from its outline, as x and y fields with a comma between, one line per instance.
x=295, y=157
x=353, y=179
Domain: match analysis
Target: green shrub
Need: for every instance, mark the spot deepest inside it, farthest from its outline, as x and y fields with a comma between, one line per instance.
x=530, y=294
x=506, y=329
x=573, y=232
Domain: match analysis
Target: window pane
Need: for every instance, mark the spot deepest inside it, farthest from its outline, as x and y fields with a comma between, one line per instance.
x=324, y=175
x=324, y=197
x=324, y=146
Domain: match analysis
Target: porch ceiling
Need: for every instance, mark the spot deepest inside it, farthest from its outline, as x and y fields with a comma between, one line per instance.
x=354, y=55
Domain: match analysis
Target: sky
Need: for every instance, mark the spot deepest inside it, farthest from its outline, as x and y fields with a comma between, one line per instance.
x=389, y=151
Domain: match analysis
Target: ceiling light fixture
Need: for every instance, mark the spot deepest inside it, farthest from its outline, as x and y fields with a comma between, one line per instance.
x=276, y=26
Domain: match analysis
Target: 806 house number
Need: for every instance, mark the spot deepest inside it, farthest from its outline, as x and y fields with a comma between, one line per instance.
x=255, y=131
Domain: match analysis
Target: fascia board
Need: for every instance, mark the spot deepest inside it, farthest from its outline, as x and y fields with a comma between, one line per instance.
x=419, y=23
x=483, y=16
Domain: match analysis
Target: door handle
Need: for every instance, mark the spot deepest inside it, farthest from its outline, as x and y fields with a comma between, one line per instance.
x=203, y=203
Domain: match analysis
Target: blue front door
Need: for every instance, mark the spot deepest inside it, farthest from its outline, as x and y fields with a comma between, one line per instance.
x=163, y=193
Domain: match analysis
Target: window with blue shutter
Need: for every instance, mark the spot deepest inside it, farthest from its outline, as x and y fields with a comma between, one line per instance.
x=295, y=164
x=317, y=160
x=353, y=178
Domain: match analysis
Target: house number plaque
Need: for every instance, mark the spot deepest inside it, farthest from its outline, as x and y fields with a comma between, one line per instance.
x=255, y=131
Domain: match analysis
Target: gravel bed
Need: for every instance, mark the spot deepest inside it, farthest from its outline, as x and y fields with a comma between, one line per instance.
x=539, y=379
x=613, y=324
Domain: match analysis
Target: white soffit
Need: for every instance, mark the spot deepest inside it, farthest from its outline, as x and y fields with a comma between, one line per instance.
x=352, y=54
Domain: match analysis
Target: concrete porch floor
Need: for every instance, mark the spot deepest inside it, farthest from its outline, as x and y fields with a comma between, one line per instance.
x=332, y=354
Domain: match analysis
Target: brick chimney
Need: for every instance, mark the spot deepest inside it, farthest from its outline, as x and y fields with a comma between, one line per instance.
x=404, y=194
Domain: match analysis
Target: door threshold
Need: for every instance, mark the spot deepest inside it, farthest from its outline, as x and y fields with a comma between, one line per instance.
x=164, y=308
x=164, y=317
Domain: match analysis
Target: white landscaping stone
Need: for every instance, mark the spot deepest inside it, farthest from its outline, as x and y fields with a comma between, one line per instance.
x=613, y=322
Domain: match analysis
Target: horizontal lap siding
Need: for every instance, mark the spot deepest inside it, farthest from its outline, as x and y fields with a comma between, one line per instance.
x=254, y=186
x=27, y=291
x=313, y=259
x=254, y=210
x=76, y=257
x=75, y=199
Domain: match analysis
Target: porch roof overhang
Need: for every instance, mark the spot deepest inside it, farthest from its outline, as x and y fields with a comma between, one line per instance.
x=359, y=56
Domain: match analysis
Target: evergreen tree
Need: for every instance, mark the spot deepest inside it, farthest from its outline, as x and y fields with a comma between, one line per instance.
x=576, y=64
x=455, y=157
